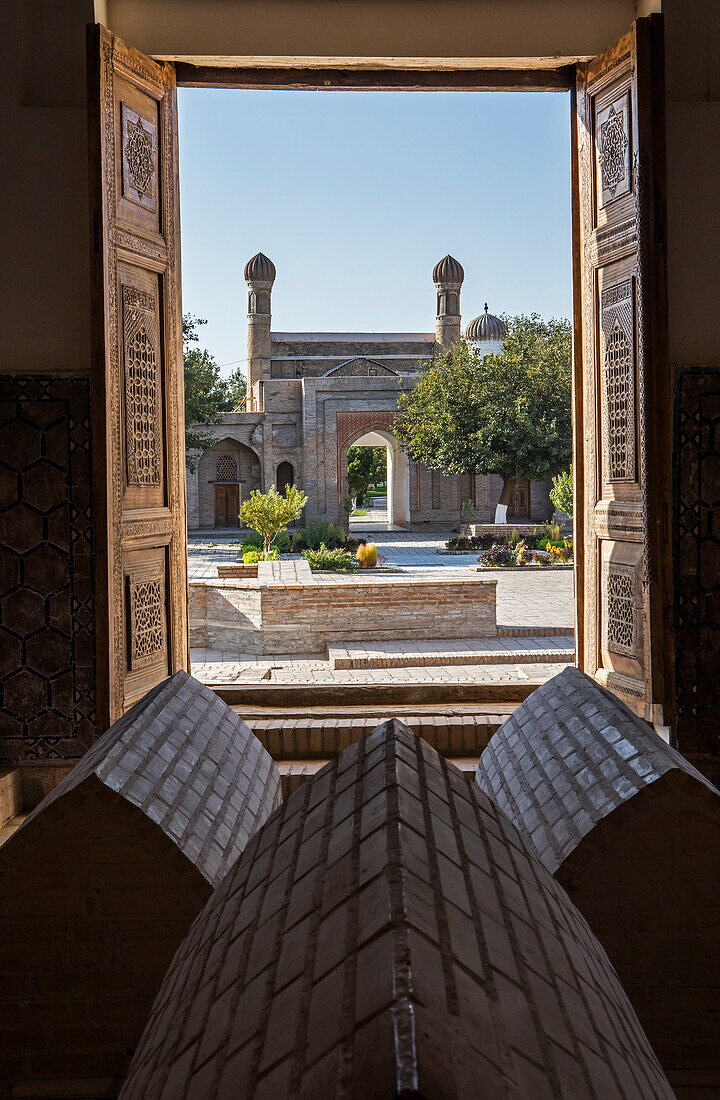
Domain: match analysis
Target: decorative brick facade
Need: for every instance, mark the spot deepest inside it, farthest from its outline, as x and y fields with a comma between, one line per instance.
x=311, y=394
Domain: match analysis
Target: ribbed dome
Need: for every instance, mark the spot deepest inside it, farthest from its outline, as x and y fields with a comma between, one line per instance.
x=260, y=269
x=448, y=270
x=486, y=327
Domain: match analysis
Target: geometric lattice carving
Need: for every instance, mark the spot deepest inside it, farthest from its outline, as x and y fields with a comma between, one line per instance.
x=147, y=618
x=620, y=609
x=226, y=469
x=142, y=387
x=47, y=615
x=613, y=149
x=697, y=558
x=139, y=153
x=618, y=382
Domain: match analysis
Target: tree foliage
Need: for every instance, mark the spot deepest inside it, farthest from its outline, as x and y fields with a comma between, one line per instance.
x=507, y=414
x=207, y=393
x=366, y=466
x=270, y=513
x=562, y=492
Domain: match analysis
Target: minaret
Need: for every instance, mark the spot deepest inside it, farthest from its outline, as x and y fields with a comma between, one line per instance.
x=448, y=276
x=259, y=276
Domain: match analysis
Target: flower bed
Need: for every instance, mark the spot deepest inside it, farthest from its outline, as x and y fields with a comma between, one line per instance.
x=520, y=556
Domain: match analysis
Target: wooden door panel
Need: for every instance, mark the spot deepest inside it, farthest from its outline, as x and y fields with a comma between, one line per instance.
x=620, y=372
x=139, y=374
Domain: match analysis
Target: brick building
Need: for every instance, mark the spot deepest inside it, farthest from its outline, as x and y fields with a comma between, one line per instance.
x=312, y=395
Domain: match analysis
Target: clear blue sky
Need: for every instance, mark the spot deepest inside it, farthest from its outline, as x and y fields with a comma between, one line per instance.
x=356, y=195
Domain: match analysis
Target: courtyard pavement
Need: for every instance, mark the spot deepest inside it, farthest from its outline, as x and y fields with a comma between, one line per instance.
x=529, y=598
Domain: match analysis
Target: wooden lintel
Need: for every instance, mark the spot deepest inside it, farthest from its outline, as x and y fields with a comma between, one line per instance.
x=309, y=79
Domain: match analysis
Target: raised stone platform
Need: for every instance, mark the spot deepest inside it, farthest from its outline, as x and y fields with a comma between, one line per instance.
x=282, y=614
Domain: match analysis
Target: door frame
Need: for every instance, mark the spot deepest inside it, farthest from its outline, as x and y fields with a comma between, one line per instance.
x=509, y=74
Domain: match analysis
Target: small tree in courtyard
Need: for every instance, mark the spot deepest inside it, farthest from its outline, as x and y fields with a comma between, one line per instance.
x=562, y=492
x=507, y=414
x=270, y=513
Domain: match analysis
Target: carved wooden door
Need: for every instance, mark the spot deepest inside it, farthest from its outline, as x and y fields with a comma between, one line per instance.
x=622, y=435
x=227, y=505
x=138, y=374
x=520, y=504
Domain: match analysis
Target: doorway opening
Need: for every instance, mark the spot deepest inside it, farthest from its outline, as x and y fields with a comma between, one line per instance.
x=376, y=469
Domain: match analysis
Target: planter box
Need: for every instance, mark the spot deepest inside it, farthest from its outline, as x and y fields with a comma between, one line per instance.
x=274, y=617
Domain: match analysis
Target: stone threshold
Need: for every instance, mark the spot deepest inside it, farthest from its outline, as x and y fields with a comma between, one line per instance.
x=464, y=651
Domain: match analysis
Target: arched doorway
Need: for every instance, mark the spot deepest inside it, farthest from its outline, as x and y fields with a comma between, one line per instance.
x=398, y=480
x=285, y=476
x=227, y=492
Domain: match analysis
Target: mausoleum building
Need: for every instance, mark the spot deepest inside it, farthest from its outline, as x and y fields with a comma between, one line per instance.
x=312, y=395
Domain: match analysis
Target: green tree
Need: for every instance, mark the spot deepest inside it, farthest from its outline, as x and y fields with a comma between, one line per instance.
x=270, y=513
x=507, y=414
x=207, y=393
x=561, y=493
x=366, y=466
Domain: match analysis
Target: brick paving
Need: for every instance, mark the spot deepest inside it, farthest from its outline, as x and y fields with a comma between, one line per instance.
x=214, y=667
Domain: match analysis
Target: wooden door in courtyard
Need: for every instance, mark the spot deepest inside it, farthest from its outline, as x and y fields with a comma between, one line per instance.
x=138, y=371
x=227, y=505
x=621, y=373
x=520, y=503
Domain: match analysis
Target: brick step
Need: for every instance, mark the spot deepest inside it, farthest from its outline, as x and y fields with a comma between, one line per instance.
x=293, y=773
x=304, y=738
x=505, y=631
x=464, y=651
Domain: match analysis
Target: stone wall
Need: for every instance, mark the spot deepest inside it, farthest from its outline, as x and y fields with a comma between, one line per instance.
x=248, y=617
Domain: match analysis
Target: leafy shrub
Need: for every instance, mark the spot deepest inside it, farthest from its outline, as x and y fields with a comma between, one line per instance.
x=515, y=537
x=497, y=555
x=476, y=542
x=322, y=534
x=269, y=513
x=331, y=560
x=367, y=555
x=253, y=555
x=561, y=493
x=252, y=538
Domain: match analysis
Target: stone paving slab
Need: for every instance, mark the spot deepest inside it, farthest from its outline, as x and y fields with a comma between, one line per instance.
x=464, y=651
x=215, y=668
